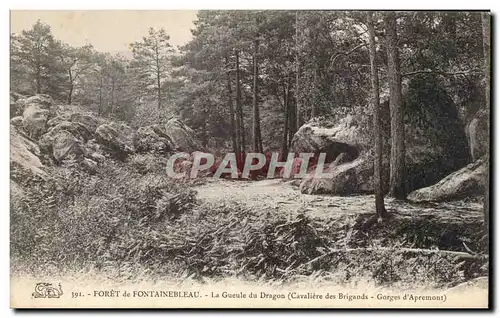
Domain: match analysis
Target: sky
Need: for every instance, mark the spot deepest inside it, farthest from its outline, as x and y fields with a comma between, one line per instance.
x=107, y=30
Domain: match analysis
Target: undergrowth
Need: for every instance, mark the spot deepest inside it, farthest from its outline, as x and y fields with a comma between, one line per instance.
x=129, y=217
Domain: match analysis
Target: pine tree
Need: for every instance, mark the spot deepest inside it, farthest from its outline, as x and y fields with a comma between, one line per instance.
x=151, y=62
x=36, y=49
x=377, y=129
x=397, y=162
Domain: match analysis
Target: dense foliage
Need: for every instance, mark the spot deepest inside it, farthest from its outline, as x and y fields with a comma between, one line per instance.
x=309, y=63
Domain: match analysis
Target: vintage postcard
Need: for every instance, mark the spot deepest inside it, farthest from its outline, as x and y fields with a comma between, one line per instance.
x=249, y=159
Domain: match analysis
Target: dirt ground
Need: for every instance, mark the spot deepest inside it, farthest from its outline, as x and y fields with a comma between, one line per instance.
x=284, y=197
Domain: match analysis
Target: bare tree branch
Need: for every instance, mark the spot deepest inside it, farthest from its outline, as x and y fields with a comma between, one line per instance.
x=465, y=73
x=347, y=53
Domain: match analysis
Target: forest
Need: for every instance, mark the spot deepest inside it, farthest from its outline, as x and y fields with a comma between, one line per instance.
x=398, y=101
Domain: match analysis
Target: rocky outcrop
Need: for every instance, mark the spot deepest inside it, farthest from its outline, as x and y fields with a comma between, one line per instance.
x=343, y=181
x=69, y=131
x=478, y=135
x=36, y=111
x=78, y=131
x=435, y=141
x=466, y=182
x=43, y=100
x=35, y=120
x=320, y=135
x=118, y=139
x=153, y=139
x=348, y=178
x=25, y=153
x=182, y=136
x=94, y=151
x=88, y=121
x=19, y=103
x=66, y=146
x=17, y=122
x=58, y=119
x=436, y=144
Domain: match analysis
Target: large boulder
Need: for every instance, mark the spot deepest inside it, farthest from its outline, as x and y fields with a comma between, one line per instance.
x=436, y=144
x=435, y=141
x=119, y=139
x=348, y=177
x=322, y=135
x=78, y=130
x=17, y=122
x=36, y=111
x=25, y=153
x=478, y=134
x=18, y=103
x=35, y=120
x=46, y=142
x=43, y=100
x=466, y=182
x=88, y=121
x=182, y=136
x=148, y=140
x=66, y=146
x=94, y=151
x=58, y=119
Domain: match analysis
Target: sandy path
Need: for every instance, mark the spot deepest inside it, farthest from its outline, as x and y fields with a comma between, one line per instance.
x=284, y=197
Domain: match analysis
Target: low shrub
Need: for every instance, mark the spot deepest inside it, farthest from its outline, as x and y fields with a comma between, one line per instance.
x=77, y=218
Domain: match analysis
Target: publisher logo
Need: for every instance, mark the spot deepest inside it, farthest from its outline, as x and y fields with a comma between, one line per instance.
x=46, y=290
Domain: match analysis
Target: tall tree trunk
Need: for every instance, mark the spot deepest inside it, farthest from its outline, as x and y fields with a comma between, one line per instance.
x=397, y=174
x=159, y=90
x=70, y=94
x=314, y=106
x=238, y=104
x=333, y=94
x=297, y=72
x=257, y=142
x=38, y=80
x=112, y=96
x=204, y=133
x=292, y=123
x=71, y=86
x=286, y=93
x=158, y=74
x=485, y=17
x=233, y=128
x=377, y=125
x=100, y=94
x=349, y=92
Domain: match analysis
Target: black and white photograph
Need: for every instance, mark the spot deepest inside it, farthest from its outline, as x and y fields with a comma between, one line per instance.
x=250, y=158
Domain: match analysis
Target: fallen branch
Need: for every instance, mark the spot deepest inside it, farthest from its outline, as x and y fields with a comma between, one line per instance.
x=465, y=73
x=460, y=255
